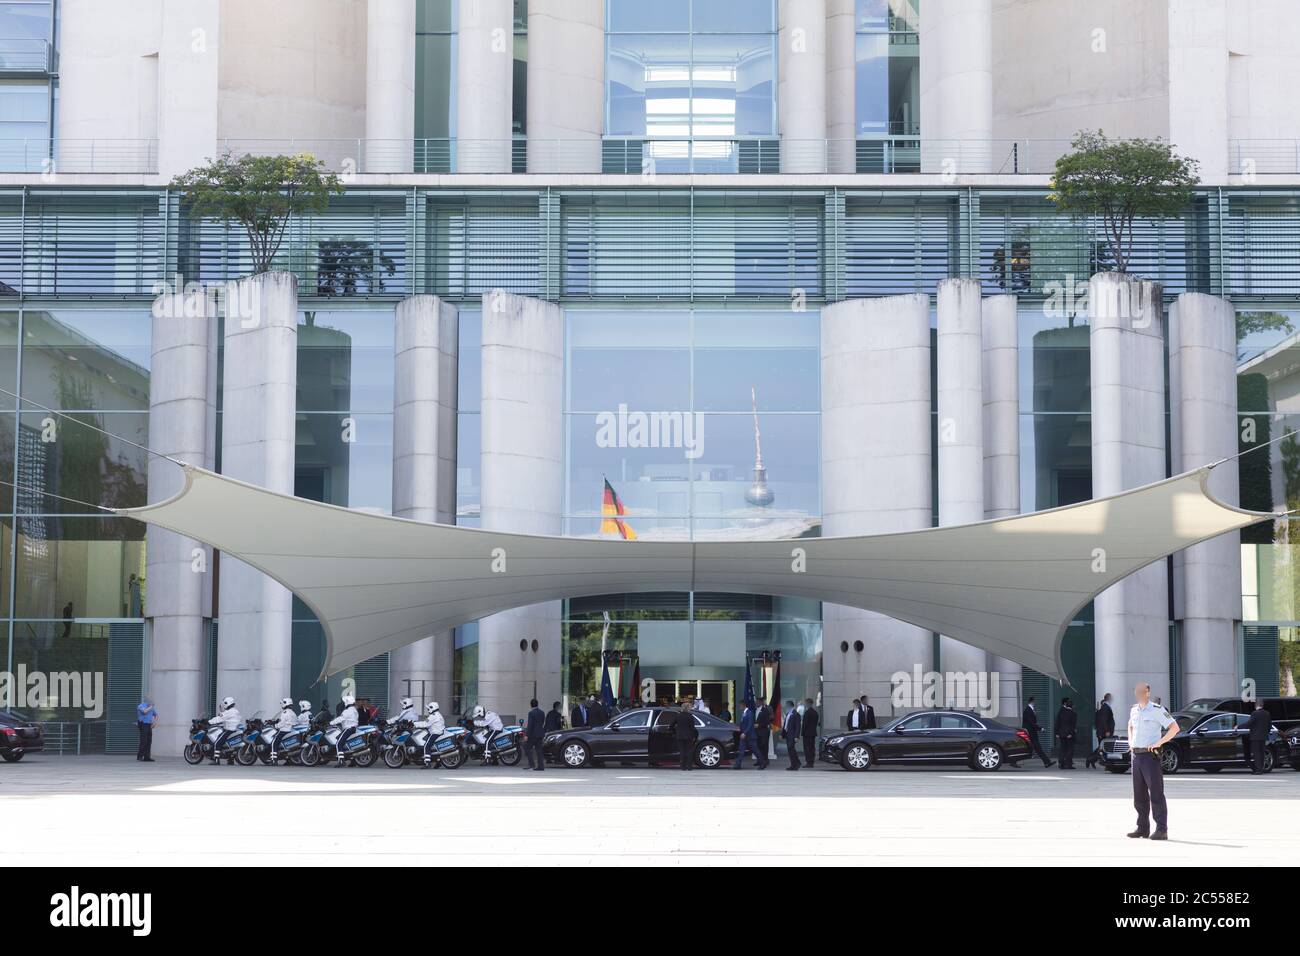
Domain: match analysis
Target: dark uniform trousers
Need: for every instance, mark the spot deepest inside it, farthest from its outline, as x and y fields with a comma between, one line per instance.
x=145, y=749
x=1149, y=791
x=686, y=753
x=1257, y=756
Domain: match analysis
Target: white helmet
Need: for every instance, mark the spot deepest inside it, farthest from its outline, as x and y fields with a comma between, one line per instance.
x=407, y=702
x=287, y=702
x=227, y=703
x=348, y=700
x=304, y=706
x=478, y=711
x=431, y=707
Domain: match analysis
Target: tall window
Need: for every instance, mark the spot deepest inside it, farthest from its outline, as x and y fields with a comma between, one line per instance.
x=26, y=35
x=435, y=84
x=888, y=68
x=683, y=70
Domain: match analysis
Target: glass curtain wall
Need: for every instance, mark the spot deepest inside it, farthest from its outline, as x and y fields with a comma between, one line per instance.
x=73, y=578
x=27, y=91
x=887, y=85
x=693, y=79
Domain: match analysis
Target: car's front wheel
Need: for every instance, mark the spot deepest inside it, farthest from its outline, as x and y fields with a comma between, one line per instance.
x=13, y=757
x=575, y=754
x=986, y=757
x=856, y=757
x=709, y=754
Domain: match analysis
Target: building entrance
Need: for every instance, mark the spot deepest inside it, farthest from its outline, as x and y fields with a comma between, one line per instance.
x=717, y=694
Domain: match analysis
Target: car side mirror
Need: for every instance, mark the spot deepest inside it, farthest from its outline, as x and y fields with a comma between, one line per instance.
x=898, y=729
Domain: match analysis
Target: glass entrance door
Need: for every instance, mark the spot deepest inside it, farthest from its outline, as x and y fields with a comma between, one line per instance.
x=716, y=694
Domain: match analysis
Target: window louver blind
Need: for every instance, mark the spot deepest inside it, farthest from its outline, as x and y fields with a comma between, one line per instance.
x=123, y=684
x=895, y=247
x=1259, y=245
x=1260, y=649
x=704, y=247
x=92, y=245
x=372, y=681
x=481, y=245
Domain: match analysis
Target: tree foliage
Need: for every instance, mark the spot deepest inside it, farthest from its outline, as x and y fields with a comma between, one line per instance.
x=261, y=193
x=1121, y=181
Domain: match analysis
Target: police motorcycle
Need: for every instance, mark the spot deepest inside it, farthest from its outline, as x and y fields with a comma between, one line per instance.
x=360, y=749
x=406, y=741
x=490, y=745
x=295, y=728
x=206, y=732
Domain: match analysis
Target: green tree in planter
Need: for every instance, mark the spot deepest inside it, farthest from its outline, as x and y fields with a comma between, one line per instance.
x=261, y=193
x=1120, y=181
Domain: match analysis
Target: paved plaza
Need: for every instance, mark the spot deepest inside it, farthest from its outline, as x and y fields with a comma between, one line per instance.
x=113, y=810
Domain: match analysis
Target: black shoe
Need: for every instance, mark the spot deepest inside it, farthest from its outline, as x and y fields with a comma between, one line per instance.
x=147, y=759
x=1048, y=763
x=1139, y=834
x=1160, y=835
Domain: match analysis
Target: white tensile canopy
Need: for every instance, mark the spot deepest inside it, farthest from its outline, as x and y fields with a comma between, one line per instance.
x=1010, y=586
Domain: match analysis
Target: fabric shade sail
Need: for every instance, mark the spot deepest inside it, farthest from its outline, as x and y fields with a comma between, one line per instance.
x=1010, y=586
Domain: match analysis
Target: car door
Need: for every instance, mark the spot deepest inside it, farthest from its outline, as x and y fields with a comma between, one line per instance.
x=954, y=736
x=1213, y=740
x=628, y=735
x=662, y=739
x=912, y=739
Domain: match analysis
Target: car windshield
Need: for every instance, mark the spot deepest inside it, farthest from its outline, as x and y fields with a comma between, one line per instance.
x=1202, y=705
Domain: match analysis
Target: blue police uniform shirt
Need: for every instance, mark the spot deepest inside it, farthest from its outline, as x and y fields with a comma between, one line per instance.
x=1149, y=724
x=145, y=713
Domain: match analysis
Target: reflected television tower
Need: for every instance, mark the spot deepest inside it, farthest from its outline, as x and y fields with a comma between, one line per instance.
x=758, y=494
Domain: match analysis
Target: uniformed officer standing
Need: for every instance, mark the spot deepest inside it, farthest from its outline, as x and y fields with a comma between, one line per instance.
x=1149, y=728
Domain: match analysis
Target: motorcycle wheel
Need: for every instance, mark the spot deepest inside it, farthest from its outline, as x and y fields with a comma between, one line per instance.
x=294, y=758
x=192, y=754
x=310, y=755
x=511, y=757
x=246, y=756
x=265, y=757
x=452, y=760
x=395, y=757
x=364, y=757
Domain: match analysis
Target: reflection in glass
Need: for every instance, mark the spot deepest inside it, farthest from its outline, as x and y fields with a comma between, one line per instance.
x=79, y=567
x=90, y=360
x=345, y=459
x=72, y=457
x=345, y=361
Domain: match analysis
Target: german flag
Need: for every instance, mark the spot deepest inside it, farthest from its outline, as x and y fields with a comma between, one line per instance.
x=612, y=511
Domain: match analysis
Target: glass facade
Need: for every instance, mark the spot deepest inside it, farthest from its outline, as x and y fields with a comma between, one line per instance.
x=692, y=77
x=887, y=85
x=27, y=91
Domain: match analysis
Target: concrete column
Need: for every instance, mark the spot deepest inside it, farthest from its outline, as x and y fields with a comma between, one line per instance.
x=187, y=84
x=566, y=85
x=485, y=62
x=522, y=482
x=960, y=400
x=801, y=92
x=1203, y=429
x=424, y=467
x=876, y=476
x=1002, y=450
x=390, y=87
x=178, y=569
x=956, y=86
x=1126, y=343
x=257, y=446
x=841, y=87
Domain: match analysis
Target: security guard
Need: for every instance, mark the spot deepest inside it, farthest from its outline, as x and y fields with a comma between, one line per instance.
x=1149, y=728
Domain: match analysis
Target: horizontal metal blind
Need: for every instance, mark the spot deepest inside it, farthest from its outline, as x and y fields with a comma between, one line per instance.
x=92, y=245
x=1259, y=245
x=626, y=246
x=481, y=245
x=895, y=246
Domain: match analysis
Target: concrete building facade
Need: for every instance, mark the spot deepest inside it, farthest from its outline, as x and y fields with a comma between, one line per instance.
x=772, y=268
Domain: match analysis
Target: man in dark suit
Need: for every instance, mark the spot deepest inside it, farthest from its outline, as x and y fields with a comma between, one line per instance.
x=856, y=719
x=1067, y=725
x=554, y=719
x=1029, y=720
x=1259, y=724
x=1103, y=724
x=684, y=731
x=791, y=733
x=578, y=716
x=870, y=712
x=596, y=710
x=808, y=727
x=534, y=731
x=748, y=740
x=763, y=729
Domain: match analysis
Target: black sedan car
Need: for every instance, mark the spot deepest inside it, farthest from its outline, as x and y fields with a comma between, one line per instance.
x=1283, y=711
x=1292, y=740
x=932, y=736
x=19, y=736
x=644, y=735
x=1210, y=741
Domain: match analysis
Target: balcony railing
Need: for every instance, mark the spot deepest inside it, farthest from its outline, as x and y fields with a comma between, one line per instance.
x=25, y=55
x=649, y=156
x=1264, y=156
x=78, y=156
